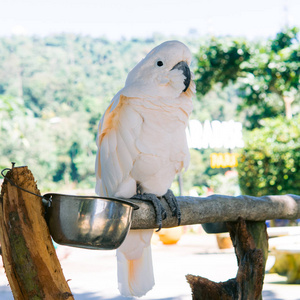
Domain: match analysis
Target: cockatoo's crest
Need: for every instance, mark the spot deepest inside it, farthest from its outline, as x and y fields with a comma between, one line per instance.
x=154, y=75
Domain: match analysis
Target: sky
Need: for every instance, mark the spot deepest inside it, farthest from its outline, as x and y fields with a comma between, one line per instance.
x=139, y=18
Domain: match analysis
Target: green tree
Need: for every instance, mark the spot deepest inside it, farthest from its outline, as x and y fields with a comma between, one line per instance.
x=270, y=161
x=25, y=140
x=53, y=90
x=266, y=75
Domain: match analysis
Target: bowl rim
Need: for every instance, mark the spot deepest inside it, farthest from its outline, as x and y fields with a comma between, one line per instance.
x=48, y=197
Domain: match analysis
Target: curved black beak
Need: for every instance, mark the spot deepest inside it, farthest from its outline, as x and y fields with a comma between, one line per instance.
x=186, y=72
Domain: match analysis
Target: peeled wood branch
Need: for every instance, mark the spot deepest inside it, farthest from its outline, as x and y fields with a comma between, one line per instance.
x=218, y=208
x=32, y=267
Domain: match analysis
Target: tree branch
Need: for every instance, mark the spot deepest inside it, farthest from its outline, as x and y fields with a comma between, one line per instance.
x=32, y=267
x=218, y=208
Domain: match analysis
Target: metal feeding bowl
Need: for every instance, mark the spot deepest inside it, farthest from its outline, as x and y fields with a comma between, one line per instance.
x=88, y=221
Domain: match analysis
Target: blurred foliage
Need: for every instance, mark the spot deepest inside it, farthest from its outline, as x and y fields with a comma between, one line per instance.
x=226, y=184
x=54, y=89
x=270, y=161
x=220, y=62
x=263, y=73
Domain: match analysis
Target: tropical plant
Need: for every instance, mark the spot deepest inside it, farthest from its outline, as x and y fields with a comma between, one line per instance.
x=266, y=75
x=270, y=161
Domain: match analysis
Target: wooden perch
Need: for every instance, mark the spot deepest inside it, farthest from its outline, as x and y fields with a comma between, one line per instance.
x=32, y=267
x=34, y=272
x=247, y=229
x=218, y=208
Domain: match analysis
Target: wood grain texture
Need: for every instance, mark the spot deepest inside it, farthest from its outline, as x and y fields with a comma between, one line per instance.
x=29, y=257
x=251, y=247
x=219, y=208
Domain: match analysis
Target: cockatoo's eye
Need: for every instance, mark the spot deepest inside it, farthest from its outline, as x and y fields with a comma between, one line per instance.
x=160, y=63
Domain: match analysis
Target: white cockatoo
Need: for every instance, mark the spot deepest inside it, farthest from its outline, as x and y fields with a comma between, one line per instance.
x=142, y=146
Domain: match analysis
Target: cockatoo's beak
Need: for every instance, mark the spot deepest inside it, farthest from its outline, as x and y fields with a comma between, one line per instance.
x=186, y=72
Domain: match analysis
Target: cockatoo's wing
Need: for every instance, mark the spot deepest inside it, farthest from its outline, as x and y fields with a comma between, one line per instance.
x=116, y=149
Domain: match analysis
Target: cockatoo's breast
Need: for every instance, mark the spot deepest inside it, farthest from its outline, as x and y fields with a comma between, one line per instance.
x=160, y=141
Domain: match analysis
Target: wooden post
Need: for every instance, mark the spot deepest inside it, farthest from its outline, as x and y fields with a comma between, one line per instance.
x=34, y=272
x=251, y=248
x=32, y=267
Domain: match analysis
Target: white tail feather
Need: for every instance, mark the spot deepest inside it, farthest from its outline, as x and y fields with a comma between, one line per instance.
x=135, y=270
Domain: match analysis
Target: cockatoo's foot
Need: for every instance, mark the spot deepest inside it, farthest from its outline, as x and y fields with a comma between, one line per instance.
x=160, y=212
x=173, y=204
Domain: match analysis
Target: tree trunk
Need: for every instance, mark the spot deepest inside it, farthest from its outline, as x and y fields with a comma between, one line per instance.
x=288, y=106
x=251, y=248
x=32, y=267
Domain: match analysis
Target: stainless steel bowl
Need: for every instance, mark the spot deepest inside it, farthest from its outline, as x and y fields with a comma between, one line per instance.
x=88, y=221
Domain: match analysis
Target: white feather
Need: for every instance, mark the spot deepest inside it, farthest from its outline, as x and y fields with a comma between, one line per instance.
x=135, y=258
x=124, y=156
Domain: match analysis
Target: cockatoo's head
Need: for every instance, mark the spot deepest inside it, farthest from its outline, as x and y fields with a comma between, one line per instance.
x=164, y=72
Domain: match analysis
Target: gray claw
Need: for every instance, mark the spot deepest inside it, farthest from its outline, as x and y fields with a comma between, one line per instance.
x=160, y=211
x=173, y=204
